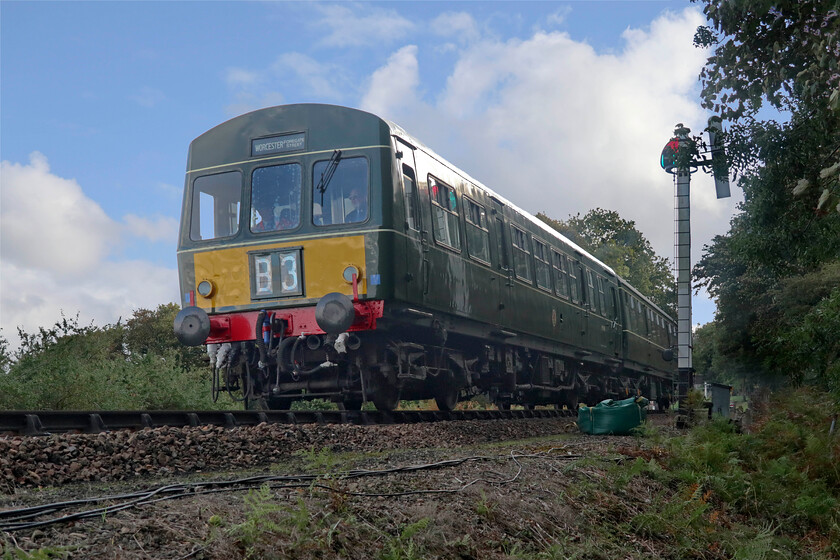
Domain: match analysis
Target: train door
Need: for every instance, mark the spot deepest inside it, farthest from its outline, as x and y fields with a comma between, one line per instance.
x=624, y=313
x=614, y=317
x=416, y=271
x=502, y=261
x=584, y=303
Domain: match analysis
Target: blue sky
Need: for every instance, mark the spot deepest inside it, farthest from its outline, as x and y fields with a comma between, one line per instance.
x=559, y=106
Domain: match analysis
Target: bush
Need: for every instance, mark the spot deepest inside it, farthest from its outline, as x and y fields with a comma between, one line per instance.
x=782, y=474
x=139, y=365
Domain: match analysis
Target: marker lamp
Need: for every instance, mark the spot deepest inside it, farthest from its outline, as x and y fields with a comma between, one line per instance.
x=349, y=272
x=205, y=288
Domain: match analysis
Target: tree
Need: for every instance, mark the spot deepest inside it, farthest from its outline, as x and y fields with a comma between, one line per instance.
x=786, y=54
x=6, y=358
x=149, y=332
x=773, y=272
x=617, y=243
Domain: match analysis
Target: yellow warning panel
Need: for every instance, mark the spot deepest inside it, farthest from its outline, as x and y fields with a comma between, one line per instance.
x=324, y=262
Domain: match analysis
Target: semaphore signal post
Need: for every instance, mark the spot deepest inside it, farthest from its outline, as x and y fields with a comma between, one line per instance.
x=681, y=158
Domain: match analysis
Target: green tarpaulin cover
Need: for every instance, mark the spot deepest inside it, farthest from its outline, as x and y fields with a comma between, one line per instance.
x=612, y=417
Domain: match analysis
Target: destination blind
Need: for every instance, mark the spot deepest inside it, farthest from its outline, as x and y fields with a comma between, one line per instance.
x=278, y=144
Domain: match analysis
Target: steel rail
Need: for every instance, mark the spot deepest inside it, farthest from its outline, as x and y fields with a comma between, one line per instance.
x=45, y=422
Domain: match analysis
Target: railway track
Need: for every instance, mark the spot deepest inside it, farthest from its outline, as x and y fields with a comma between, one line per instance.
x=35, y=423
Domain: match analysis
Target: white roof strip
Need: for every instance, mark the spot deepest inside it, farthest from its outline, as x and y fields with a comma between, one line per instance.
x=397, y=130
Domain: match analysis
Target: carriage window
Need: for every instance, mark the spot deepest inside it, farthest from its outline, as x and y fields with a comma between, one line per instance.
x=215, y=206
x=639, y=315
x=603, y=297
x=521, y=254
x=445, y=214
x=275, y=198
x=573, y=282
x=561, y=281
x=478, y=238
x=635, y=321
x=410, y=198
x=594, y=302
x=344, y=199
x=542, y=268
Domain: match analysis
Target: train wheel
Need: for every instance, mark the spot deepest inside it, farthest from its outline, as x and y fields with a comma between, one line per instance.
x=571, y=400
x=386, y=397
x=446, y=392
x=351, y=404
x=503, y=405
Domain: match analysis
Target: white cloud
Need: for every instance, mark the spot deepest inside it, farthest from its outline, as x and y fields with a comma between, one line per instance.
x=353, y=25
x=558, y=18
x=456, y=25
x=256, y=89
x=239, y=77
x=158, y=228
x=56, y=246
x=316, y=77
x=392, y=87
x=32, y=298
x=47, y=221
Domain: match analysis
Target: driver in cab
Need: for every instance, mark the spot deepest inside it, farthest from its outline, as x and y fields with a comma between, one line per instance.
x=359, y=213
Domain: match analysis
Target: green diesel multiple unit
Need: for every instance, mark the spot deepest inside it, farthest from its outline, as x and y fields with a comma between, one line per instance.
x=325, y=253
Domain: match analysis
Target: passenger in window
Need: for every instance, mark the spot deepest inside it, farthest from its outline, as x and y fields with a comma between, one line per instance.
x=359, y=213
x=262, y=217
x=284, y=221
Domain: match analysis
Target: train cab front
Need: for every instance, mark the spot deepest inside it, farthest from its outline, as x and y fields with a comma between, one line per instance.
x=279, y=251
x=282, y=319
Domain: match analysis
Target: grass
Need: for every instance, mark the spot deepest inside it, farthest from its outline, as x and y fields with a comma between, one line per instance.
x=48, y=553
x=714, y=492
x=403, y=546
x=709, y=493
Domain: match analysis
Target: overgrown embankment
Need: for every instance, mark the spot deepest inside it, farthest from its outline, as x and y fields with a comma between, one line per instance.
x=710, y=493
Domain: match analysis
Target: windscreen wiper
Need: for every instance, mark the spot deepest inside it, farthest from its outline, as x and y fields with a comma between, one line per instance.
x=328, y=173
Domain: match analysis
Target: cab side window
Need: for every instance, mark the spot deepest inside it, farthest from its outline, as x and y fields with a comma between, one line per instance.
x=340, y=196
x=215, y=206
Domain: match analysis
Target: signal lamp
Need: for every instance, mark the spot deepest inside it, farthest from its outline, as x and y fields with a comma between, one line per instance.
x=668, y=159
